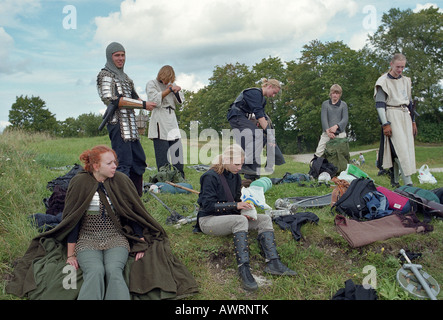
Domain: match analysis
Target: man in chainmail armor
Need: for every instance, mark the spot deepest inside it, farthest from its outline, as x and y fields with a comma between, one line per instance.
x=112, y=84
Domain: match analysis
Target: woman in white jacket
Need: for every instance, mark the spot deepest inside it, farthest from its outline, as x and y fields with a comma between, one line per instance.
x=163, y=126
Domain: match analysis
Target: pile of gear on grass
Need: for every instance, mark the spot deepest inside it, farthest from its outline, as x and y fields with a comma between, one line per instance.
x=366, y=213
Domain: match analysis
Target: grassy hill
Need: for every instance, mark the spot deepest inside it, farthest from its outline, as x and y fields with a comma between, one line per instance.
x=323, y=259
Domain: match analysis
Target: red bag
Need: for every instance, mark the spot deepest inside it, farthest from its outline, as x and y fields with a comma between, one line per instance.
x=396, y=201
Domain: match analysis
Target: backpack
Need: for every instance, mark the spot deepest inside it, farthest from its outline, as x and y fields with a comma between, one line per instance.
x=319, y=165
x=352, y=202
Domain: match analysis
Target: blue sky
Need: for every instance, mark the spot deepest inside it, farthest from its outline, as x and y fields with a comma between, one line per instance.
x=54, y=49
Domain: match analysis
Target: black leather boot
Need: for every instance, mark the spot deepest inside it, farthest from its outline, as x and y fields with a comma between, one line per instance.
x=242, y=256
x=273, y=264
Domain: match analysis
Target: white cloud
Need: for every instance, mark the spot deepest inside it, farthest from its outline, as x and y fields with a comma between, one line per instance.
x=189, y=82
x=358, y=40
x=3, y=125
x=196, y=32
x=428, y=5
x=12, y=10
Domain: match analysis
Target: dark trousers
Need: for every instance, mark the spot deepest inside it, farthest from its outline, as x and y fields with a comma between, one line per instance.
x=173, y=149
x=252, y=140
x=131, y=156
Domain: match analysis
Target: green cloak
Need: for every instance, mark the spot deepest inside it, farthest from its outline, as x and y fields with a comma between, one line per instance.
x=42, y=274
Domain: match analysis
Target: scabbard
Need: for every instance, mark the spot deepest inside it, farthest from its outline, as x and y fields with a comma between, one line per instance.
x=108, y=114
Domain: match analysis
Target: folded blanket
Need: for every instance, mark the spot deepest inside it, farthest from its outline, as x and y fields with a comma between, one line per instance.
x=361, y=233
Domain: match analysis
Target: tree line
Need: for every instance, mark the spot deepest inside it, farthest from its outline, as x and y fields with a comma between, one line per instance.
x=295, y=112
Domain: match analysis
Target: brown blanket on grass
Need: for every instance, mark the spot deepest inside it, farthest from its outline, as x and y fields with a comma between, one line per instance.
x=361, y=233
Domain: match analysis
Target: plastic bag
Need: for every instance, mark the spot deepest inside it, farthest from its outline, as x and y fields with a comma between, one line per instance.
x=425, y=175
x=355, y=171
x=251, y=213
x=254, y=195
x=324, y=177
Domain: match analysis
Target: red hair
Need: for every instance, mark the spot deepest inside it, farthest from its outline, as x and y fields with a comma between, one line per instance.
x=90, y=157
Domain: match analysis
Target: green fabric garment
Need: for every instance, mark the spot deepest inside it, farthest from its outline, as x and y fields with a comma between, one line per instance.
x=159, y=274
x=337, y=153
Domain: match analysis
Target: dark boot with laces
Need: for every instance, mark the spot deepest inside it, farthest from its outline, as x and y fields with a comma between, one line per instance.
x=273, y=264
x=242, y=256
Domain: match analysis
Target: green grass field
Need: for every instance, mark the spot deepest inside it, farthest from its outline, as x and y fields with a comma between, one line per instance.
x=323, y=259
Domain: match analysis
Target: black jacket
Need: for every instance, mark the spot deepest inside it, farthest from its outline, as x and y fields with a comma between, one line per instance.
x=212, y=191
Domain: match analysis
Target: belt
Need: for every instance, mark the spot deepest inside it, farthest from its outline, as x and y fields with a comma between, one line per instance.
x=170, y=108
x=400, y=106
x=247, y=115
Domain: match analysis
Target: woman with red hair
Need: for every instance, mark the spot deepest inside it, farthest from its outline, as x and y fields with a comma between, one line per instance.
x=95, y=244
x=113, y=246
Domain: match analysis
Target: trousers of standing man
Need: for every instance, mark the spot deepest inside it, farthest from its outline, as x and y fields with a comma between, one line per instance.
x=131, y=156
x=324, y=138
x=174, y=149
x=250, y=138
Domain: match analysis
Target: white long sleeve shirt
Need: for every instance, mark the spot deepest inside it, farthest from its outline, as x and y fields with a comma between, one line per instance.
x=163, y=121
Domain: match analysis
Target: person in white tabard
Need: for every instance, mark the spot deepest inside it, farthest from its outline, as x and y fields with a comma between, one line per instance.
x=393, y=100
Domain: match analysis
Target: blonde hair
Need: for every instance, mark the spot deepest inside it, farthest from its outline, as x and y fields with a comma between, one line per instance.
x=398, y=57
x=335, y=88
x=229, y=155
x=271, y=82
x=166, y=74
